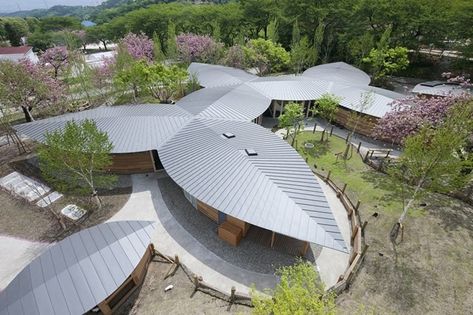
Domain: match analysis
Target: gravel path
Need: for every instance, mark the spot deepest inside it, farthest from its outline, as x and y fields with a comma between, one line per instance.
x=249, y=255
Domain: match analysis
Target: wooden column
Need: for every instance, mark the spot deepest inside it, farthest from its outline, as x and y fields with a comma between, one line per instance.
x=273, y=236
x=306, y=247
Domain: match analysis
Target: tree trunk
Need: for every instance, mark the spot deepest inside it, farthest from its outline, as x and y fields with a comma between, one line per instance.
x=27, y=112
x=97, y=199
x=104, y=45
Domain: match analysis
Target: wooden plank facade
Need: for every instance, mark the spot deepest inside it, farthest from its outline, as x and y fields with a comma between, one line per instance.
x=365, y=125
x=132, y=163
x=111, y=303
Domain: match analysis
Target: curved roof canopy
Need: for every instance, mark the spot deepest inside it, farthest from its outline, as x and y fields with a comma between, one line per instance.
x=131, y=128
x=338, y=72
x=274, y=189
x=338, y=78
x=79, y=272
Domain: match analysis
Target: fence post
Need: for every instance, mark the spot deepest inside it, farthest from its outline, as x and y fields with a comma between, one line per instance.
x=328, y=176
x=366, y=156
x=176, y=259
x=346, y=139
x=232, y=295
x=359, y=146
x=387, y=154
x=331, y=131
x=315, y=126
x=357, y=205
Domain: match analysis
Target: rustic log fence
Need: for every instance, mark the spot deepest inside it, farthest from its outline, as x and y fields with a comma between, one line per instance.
x=357, y=239
x=232, y=297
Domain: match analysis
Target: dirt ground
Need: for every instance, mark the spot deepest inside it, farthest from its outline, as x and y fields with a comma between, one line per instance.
x=151, y=299
x=22, y=219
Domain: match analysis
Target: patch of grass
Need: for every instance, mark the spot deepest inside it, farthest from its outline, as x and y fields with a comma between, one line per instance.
x=430, y=271
x=375, y=190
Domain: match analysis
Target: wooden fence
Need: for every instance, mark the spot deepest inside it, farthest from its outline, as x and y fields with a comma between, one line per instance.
x=357, y=240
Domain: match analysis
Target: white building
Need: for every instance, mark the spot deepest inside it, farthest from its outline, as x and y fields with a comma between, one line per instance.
x=17, y=53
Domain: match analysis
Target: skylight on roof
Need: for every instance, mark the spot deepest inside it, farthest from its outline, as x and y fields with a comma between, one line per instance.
x=228, y=135
x=251, y=152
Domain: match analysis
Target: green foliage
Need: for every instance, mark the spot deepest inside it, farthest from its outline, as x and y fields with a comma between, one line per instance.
x=435, y=159
x=73, y=159
x=171, y=45
x=59, y=23
x=327, y=106
x=40, y=40
x=157, y=49
x=299, y=292
x=388, y=61
x=296, y=34
x=292, y=117
x=300, y=55
x=165, y=82
x=13, y=30
x=266, y=56
x=273, y=30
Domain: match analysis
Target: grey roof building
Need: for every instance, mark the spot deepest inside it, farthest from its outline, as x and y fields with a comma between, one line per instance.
x=253, y=176
x=79, y=272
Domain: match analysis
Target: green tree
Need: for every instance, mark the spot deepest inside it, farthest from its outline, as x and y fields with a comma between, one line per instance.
x=166, y=82
x=300, y=55
x=327, y=107
x=384, y=60
x=317, y=43
x=75, y=158
x=432, y=159
x=299, y=291
x=15, y=29
x=292, y=118
x=40, y=40
x=99, y=34
x=296, y=34
x=157, y=48
x=273, y=30
x=266, y=56
x=171, y=45
x=132, y=76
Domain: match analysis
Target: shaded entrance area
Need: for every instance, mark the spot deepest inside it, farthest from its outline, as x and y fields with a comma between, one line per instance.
x=253, y=253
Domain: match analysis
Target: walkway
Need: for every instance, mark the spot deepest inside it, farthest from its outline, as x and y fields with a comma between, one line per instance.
x=171, y=238
x=174, y=236
x=16, y=254
x=366, y=143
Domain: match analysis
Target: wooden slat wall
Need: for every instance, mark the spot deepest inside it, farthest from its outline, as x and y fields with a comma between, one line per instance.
x=207, y=210
x=241, y=224
x=365, y=125
x=131, y=163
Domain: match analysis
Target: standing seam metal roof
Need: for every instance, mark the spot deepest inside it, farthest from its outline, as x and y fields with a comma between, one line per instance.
x=275, y=189
x=79, y=272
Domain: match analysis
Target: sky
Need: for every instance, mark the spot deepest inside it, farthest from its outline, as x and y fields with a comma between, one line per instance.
x=12, y=5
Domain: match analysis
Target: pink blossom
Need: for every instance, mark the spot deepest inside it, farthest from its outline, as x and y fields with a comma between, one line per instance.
x=410, y=114
x=200, y=48
x=139, y=46
x=56, y=57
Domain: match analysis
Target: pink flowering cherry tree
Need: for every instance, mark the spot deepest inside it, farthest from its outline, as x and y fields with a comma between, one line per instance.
x=55, y=57
x=28, y=85
x=198, y=48
x=139, y=46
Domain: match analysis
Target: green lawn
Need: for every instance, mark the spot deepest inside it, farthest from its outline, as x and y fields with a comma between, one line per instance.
x=431, y=271
x=374, y=189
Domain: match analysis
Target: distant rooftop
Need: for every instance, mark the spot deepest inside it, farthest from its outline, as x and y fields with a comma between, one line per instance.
x=14, y=50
